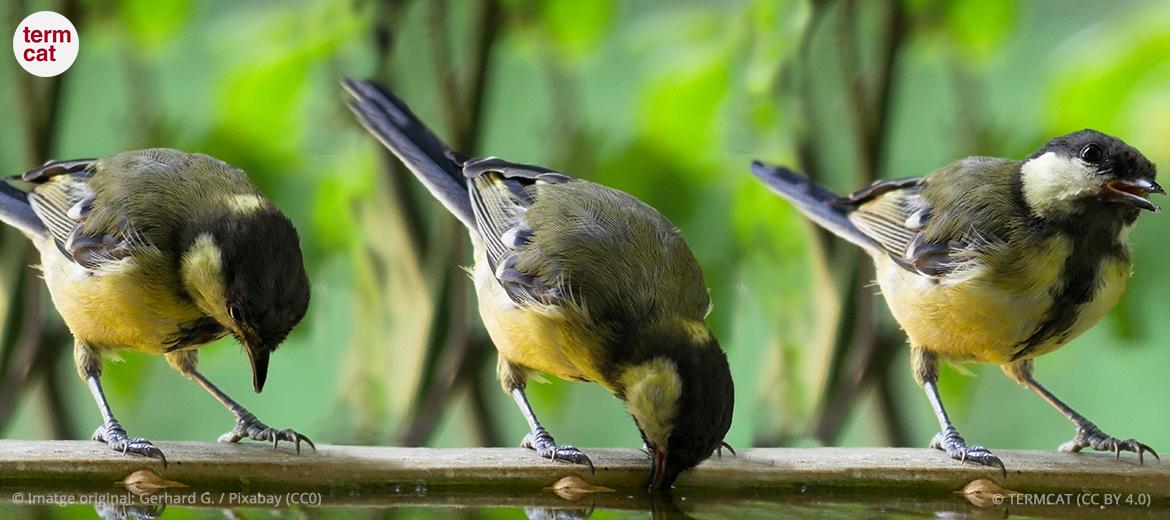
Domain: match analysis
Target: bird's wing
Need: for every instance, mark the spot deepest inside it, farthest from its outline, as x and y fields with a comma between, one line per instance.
x=55, y=168
x=896, y=215
x=500, y=194
x=942, y=224
x=882, y=212
x=63, y=200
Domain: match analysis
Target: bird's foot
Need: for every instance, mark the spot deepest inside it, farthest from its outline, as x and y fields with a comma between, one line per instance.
x=249, y=427
x=1090, y=436
x=115, y=436
x=951, y=442
x=722, y=445
x=541, y=441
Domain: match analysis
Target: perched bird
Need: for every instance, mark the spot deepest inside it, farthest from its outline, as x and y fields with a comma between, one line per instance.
x=580, y=281
x=162, y=252
x=996, y=261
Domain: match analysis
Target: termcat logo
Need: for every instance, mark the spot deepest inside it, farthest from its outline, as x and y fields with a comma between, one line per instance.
x=45, y=44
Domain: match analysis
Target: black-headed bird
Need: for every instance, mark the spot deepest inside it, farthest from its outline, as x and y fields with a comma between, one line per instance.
x=161, y=251
x=996, y=261
x=580, y=281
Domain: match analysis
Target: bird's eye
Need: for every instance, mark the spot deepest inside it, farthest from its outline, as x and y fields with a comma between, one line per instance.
x=1092, y=153
x=234, y=312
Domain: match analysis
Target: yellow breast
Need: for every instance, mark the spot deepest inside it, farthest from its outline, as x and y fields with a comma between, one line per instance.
x=986, y=316
x=553, y=340
x=113, y=308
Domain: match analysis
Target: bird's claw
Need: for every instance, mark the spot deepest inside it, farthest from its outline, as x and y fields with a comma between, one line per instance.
x=722, y=445
x=249, y=427
x=1090, y=436
x=951, y=442
x=114, y=435
x=541, y=441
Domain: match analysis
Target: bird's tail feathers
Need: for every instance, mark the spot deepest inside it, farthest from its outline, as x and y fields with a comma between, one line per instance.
x=438, y=167
x=16, y=211
x=816, y=202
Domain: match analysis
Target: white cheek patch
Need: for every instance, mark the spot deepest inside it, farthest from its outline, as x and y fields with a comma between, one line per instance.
x=652, y=391
x=697, y=331
x=1052, y=181
x=202, y=273
x=245, y=203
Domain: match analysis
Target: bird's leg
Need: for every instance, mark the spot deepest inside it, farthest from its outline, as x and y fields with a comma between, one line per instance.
x=1088, y=434
x=540, y=440
x=247, y=425
x=513, y=378
x=111, y=432
x=948, y=438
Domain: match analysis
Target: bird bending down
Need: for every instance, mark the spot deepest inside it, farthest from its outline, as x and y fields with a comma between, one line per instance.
x=996, y=261
x=161, y=251
x=580, y=281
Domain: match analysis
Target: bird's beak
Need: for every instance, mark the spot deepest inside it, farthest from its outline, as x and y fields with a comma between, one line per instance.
x=657, y=469
x=1134, y=192
x=258, y=356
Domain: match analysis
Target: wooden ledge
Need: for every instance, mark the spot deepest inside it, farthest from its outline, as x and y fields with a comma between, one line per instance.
x=359, y=474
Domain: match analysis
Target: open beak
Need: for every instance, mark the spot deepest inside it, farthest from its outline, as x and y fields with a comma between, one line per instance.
x=258, y=356
x=657, y=469
x=1134, y=192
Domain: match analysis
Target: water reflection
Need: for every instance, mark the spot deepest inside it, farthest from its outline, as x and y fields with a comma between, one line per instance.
x=556, y=513
x=465, y=505
x=124, y=512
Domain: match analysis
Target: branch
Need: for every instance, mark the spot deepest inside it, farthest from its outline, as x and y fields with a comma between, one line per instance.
x=515, y=476
x=444, y=374
x=40, y=115
x=859, y=356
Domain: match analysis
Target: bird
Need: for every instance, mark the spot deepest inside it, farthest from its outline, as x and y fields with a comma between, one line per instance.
x=162, y=252
x=996, y=261
x=580, y=281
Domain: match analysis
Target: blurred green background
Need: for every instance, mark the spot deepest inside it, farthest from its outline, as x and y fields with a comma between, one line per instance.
x=667, y=100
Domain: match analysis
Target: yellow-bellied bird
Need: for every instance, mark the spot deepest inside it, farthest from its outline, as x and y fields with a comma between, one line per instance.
x=996, y=261
x=162, y=252
x=580, y=281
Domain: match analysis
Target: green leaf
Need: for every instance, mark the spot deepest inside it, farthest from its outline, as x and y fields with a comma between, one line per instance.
x=577, y=27
x=154, y=24
x=981, y=26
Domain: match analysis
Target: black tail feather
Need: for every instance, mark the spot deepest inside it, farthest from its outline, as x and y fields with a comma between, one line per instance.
x=817, y=203
x=16, y=211
x=432, y=161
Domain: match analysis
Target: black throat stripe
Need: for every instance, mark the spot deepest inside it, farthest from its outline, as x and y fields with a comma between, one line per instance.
x=1081, y=274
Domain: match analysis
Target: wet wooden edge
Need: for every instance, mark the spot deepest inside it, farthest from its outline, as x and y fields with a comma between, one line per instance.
x=485, y=477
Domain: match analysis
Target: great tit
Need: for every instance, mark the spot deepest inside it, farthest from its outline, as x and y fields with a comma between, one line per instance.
x=996, y=261
x=161, y=251
x=580, y=281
